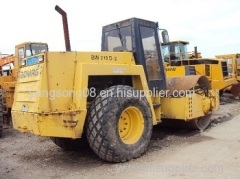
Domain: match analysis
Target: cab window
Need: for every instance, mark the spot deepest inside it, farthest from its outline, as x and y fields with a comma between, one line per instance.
x=21, y=53
x=150, y=52
x=238, y=61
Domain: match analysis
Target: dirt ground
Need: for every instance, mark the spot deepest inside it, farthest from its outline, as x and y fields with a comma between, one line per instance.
x=175, y=153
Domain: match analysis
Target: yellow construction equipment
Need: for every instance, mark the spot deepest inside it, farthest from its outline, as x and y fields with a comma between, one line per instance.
x=214, y=69
x=233, y=64
x=9, y=67
x=177, y=50
x=113, y=97
x=233, y=68
x=179, y=62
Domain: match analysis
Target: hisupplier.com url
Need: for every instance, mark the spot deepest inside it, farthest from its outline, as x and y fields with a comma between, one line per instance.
x=171, y=169
x=93, y=92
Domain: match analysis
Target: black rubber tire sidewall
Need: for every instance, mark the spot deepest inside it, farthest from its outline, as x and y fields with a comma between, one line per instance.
x=102, y=126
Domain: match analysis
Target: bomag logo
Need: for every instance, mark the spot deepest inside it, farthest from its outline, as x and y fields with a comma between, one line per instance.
x=29, y=73
x=171, y=69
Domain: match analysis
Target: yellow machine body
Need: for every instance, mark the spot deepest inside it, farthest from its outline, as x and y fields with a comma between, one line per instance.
x=112, y=97
x=214, y=69
x=50, y=103
x=7, y=81
x=221, y=71
x=9, y=75
x=51, y=96
x=233, y=63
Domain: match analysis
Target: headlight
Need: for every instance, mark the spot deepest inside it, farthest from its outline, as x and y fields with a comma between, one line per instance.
x=40, y=58
x=23, y=62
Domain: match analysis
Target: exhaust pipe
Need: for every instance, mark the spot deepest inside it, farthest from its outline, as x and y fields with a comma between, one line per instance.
x=65, y=27
x=195, y=52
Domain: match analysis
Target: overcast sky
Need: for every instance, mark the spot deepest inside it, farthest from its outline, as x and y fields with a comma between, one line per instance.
x=212, y=25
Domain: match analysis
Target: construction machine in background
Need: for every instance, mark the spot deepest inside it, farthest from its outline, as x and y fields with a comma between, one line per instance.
x=179, y=62
x=233, y=64
x=9, y=67
x=214, y=69
x=113, y=97
x=177, y=50
x=233, y=68
x=6, y=62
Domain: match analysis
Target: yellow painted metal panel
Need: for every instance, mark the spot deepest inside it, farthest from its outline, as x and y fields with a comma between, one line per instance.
x=85, y=70
x=175, y=70
x=189, y=107
x=57, y=108
x=55, y=125
x=41, y=113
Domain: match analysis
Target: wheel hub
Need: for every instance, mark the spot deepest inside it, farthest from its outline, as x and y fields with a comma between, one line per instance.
x=131, y=125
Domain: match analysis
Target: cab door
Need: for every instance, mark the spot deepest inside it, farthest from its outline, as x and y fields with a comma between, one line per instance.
x=149, y=54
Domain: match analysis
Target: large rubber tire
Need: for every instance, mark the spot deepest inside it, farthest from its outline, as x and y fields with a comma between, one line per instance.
x=105, y=131
x=1, y=114
x=68, y=144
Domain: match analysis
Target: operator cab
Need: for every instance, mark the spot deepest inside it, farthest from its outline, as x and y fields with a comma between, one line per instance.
x=6, y=65
x=175, y=50
x=140, y=37
x=27, y=52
